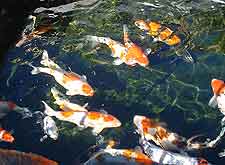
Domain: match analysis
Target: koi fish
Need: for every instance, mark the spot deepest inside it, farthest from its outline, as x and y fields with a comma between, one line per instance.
x=133, y=51
x=9, y=106
x=96, y=120
x=34, y=33
x=119, y=156
x=64, y=103
x=6, y=136
x=218, y=99
x=129, y=53
x=164, y=34
x=159, y=32
x=152, y=130
x=161, y=156
x=74, y=83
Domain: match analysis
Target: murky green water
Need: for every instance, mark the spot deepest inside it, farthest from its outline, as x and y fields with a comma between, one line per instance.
x=176, y=93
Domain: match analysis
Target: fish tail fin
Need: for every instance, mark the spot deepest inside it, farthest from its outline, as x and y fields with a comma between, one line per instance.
x=48, y=110
x=213, y=102
x=57, y=96
x=35, y=70
x=125, y=33
x=45, y=59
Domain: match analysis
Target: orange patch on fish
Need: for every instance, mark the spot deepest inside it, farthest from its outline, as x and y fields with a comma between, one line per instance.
x=162, y=133
x=143, y=159
x=86, y=88
x=173, y=40
x=70, y=76
x=94, y=115
x=108, y=118
x=218, y=86
x=154, y=28
x=67, y=113
x=165, y=34
x=7, y=137
x=127, y=153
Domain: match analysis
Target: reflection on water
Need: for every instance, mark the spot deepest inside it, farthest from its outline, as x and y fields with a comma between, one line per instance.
x=170, y=89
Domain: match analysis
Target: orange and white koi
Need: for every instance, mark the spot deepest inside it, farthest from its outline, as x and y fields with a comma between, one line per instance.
x=159, y=32
x=34, y=33
x=96, y=120
x=129, y=53
x=152, y=130
x=119, y=156
x=64, y=103
x=218, y=99
x=161, y=156
x=9, y=106
x=6, y=136
x=74, y=83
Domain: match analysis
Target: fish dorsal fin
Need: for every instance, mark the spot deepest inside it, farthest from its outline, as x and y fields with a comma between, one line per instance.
x=85, y=105
x=103, y=111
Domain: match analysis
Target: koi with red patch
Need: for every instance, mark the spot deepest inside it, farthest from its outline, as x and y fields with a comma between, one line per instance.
x=96, y=120
x=120, y=156
x=218, y=99
x=6, y=136
x=152, y=130
x=159, y=32
x=74, y=83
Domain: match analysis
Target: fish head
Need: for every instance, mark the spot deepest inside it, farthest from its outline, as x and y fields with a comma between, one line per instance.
x=7, y=137
x=87, y=89
x=202, y=161
x=144, y=125
x=141, y=24
x=111, y=121
x=218, y=86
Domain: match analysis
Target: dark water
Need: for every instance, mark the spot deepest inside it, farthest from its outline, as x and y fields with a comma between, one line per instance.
x=176, y=93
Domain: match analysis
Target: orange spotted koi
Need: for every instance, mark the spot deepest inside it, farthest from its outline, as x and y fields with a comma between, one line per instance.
x=129, y=53
x=6, y=136
x=110, y=155
x=74, y=83
x=159, y=32
x=152, y=130
x=218, y=99
x=96, y=120
x=34, y=33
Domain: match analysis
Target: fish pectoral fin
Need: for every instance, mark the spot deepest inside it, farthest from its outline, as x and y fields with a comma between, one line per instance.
x=117, y=61
x=213, y=102
x=96, y=130
x=71, y=92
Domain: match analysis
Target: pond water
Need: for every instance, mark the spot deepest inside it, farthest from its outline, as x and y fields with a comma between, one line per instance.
x=170, y=89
